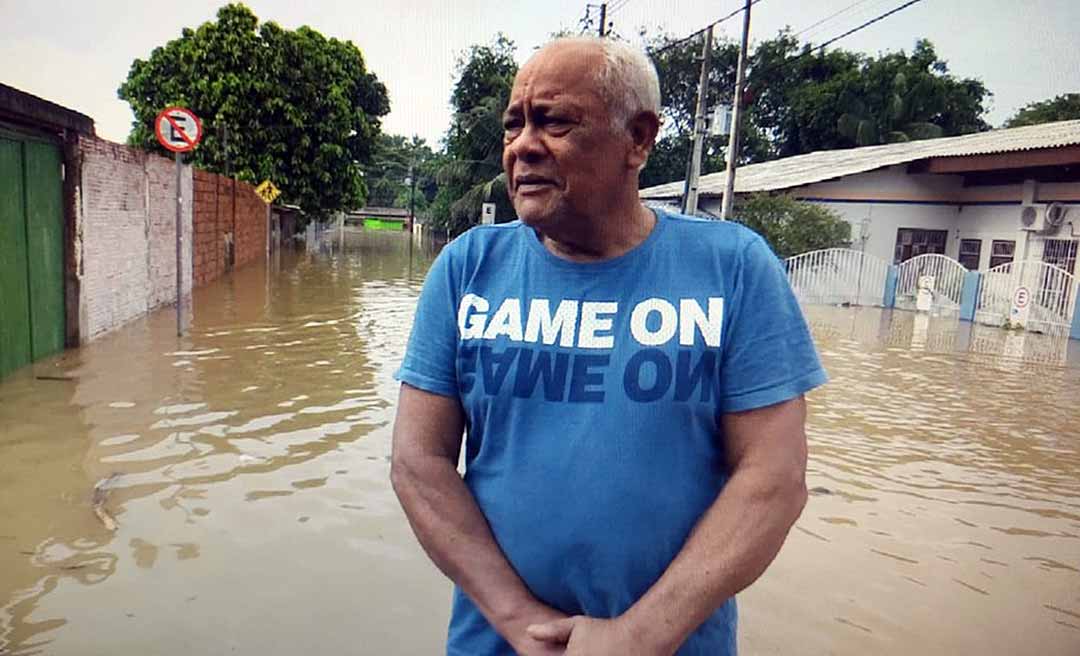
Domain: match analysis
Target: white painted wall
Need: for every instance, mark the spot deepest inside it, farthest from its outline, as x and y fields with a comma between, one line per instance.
x=889, y=199
x=126, y=228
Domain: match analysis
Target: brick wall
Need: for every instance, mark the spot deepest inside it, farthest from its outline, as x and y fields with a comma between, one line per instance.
x=214, y=225
x=125, y=233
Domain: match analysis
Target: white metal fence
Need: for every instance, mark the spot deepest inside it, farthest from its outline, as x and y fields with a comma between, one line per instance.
x=838, y=276
x=1052, y=296
x=948, y=282
x=841, y=276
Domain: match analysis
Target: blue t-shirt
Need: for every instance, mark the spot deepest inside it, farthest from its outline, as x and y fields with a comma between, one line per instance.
x=593, y=394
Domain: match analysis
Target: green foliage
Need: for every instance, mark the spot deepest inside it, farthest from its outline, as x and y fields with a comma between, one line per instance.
x=838, y=99
x=293, y=106
x=897, y=97
x=473, y=143
x=792, y=227
x=1065, y=107
x=388, y=171
x=798, y=100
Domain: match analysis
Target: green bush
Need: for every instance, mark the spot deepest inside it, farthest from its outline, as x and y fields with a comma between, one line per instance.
x=792, y=227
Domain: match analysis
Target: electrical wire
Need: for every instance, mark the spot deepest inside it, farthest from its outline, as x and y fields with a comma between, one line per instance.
x=830, y=17
x=683, y=40
x=865, y=25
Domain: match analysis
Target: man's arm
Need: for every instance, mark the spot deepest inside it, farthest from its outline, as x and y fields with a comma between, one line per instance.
x=450, y=526
x=730, y=547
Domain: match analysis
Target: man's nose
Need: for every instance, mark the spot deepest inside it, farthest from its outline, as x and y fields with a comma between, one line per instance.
x=528, y=145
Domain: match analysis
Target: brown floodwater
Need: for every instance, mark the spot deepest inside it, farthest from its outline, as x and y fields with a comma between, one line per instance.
x=226, y=492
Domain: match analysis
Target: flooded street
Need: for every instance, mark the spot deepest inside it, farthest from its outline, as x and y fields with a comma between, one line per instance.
x=227, y=492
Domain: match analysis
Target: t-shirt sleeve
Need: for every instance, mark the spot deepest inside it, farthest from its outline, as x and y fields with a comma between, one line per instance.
x=430, y=357
x=768, y=353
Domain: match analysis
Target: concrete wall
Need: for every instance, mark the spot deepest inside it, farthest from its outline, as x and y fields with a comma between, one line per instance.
x=125, y=234
x=215, y=222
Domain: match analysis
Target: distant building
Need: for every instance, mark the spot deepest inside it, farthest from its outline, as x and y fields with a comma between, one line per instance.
x=380, y=218
x=965, y=197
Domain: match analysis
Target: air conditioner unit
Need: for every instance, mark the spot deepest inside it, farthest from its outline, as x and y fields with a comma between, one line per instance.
x=1055, y=217
x=1032, y=217
x=1045, y=219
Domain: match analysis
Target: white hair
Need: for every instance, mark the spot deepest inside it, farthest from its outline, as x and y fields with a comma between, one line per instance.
x=628, y=81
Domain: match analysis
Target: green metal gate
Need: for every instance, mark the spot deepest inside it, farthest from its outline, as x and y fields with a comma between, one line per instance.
x=31, y=251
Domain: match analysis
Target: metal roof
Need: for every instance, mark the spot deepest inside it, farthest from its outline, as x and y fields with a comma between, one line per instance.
x=822, y=165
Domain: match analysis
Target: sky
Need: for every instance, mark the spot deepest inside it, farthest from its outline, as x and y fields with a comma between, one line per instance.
x=77, y=54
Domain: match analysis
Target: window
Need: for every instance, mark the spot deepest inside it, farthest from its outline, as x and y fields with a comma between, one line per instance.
x=911, y=242
x=1001, y=252
x=1060, y=253
x=970, y=253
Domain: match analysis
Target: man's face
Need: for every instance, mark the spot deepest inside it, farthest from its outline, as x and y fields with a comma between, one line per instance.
x=561, y=156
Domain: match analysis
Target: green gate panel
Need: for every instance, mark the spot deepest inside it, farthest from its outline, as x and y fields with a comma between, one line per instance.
x=14, y=289
x=45, y=247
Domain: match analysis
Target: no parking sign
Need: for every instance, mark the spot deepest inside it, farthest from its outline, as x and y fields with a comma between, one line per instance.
x=178, y=129
x=1021, y=305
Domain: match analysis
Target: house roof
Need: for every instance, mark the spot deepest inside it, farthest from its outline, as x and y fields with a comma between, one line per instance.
x=25, y=108
x=830, y=164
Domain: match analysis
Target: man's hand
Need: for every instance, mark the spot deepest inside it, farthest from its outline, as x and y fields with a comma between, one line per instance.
x=517, y=633
x=449, y=524
x=587, y=636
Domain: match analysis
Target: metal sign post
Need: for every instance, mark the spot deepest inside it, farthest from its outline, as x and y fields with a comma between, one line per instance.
x=179, y=244
x=179, y=130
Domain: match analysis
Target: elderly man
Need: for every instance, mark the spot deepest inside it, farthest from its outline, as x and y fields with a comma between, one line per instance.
x=631, y=383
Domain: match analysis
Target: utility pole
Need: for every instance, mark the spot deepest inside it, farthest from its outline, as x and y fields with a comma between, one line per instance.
x=603, y=18
x=736, y=117
x=412, y=214
x=231, y=256
x=690, y=196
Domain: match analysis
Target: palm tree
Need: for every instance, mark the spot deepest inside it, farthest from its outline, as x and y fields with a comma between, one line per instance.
x=898, y=122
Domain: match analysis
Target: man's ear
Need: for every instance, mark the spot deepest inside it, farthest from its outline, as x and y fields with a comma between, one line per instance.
x=643, y=129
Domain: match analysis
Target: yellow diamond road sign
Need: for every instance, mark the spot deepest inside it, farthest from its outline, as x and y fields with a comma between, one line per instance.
x=267, y=191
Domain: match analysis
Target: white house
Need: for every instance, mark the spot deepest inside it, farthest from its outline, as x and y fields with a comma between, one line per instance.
x=984, y=199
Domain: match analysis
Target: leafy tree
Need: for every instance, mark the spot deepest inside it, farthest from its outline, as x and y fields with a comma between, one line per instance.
x=473, y=143
x=798, y=99
x=819, y=100
x=388, y=171
x=288, y=105
x=1065, y=107
x=791, y=226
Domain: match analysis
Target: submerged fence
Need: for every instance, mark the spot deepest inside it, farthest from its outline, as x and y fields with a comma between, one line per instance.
x=838, y=276
x=1051, y=302
x=841, y=276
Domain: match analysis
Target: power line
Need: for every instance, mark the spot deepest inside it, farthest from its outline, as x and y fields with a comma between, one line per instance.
x=830, y=17
x=865, y=25
x=616, y=6
x=683, y=40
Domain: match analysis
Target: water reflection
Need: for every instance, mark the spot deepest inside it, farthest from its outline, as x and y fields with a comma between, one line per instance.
x=947, y=508
x=156, y=455
x=227, y=491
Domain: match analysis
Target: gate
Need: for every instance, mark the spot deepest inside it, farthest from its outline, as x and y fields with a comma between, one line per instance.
x=31, y=251
x=948, y=282
x=837, y=276
x=1053, y=296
